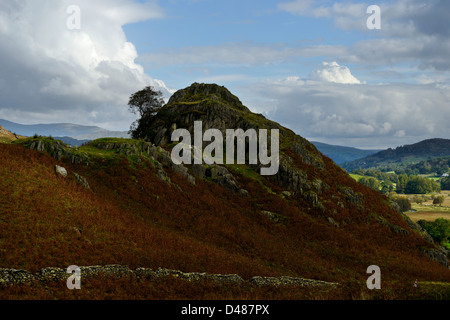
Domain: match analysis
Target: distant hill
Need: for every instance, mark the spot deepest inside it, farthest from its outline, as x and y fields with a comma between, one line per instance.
x=7, y=136
x=73, y=142
x=407, y=154
x=74, y=131
x=341, y=154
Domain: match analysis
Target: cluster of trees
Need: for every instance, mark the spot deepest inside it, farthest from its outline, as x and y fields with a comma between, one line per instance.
x=405, y=184
x=370, y=182
x=384, y=187
x=384, y=182
x=408, y=184
x=416, y=184
x=437, y=199
x=445, y=183
x=376, y=173
x=405, y=203
x=437, y=166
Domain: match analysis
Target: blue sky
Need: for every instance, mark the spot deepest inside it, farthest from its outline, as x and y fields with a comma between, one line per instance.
x=311, y=65
x=209, y=23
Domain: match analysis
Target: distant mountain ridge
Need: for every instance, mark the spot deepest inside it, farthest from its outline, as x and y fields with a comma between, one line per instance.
x=78, y=132
x=73, y=142
x=423, y=150
x=342, y=154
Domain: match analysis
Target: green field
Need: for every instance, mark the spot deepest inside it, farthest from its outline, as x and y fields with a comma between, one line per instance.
x=428, y=211
x=430, y=176
x=356, y=176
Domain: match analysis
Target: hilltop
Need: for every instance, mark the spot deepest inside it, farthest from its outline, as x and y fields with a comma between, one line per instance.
x=408, y=154
x=124, y=202
x=7, y=136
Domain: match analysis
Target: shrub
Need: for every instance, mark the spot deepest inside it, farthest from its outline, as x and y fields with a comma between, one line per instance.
x=418, y=199
x=403, y=202
x=439, y=200
x=439, y=229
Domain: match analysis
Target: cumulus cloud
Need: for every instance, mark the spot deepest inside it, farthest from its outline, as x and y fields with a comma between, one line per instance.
x=373, y=116
x=333, y=72
x=55, y=73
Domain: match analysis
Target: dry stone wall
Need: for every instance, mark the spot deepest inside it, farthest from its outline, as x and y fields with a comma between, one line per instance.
x=14, y=277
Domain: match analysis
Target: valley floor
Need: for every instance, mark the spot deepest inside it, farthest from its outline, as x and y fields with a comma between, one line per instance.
x=428, y=211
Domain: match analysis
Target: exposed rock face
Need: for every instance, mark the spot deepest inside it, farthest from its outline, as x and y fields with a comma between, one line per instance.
x=161, y=157
x=438, y=255
x=417, y=228
x=82, y=180
x=57, y=149
x=413, y=225
x=276, y=217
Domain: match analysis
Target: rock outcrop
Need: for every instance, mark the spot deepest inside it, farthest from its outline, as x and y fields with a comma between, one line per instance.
x=57, y=149
x=82, y=180
x=217, y=108
x=439, y=255
x=61, y=171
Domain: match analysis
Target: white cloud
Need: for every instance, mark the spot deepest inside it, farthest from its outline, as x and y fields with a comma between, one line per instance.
x=368, y=116
x=333, y=72
x=297, y=7
x=57, y=74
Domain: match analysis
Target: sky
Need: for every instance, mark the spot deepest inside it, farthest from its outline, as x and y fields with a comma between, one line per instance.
x=318, y=67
